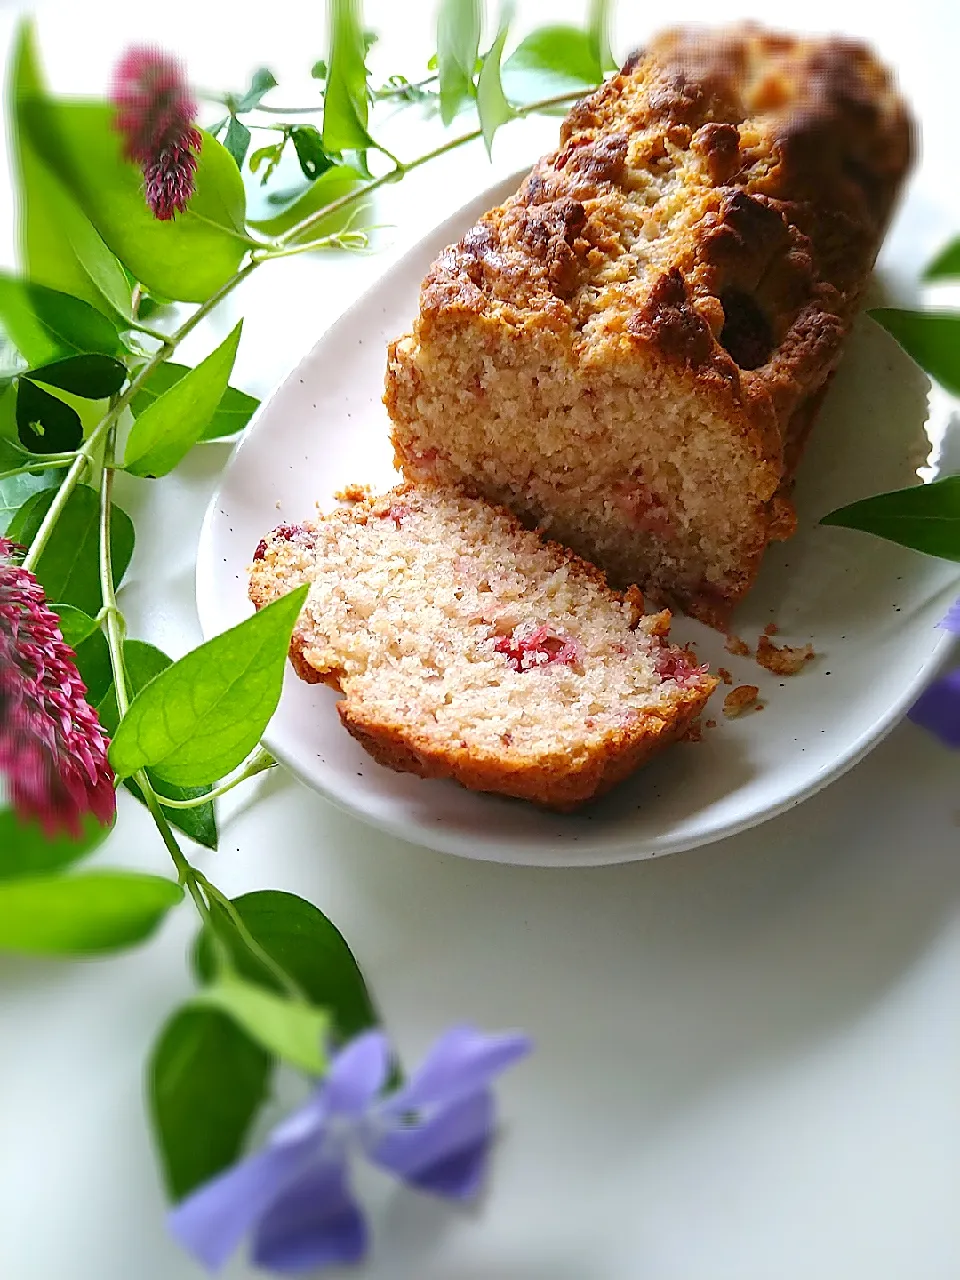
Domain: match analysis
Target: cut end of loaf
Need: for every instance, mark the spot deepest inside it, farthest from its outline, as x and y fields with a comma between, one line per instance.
x=630, y=351
x=468, y=648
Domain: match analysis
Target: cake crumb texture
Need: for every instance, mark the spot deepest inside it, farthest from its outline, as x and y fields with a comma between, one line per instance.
x=466, y=647
x=630, y=351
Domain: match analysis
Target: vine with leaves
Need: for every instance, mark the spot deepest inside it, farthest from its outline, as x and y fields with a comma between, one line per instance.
x=128, y=213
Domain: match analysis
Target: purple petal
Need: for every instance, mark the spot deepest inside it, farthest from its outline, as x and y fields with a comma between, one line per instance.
x=357, y=1074
x=952, y=620
x=938, y=709
x=462, y=1062
x=307, y=1125
x=211, y=1222
x=314, y=1224
x=447, y=1153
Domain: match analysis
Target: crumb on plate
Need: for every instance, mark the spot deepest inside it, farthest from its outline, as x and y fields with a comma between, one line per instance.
x=736, y=645
x=783, y=660
x=739, y=700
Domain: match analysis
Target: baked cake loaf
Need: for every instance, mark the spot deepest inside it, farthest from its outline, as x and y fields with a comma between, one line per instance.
x=630, y=351
x=468, y=648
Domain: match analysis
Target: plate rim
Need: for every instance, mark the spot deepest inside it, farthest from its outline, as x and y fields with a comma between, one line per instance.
x=588, y=852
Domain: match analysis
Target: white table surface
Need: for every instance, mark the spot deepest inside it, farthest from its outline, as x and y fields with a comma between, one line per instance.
x=747, y=1056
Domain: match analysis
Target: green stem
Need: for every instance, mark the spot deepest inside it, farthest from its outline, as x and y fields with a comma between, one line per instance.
x=186, y=874
x=333, y=241
x=68, y=484
x=108, y=595
x=50, y=462
x=387, y=92
x=284, y=111
x=287, y=984
x=258, y=763
x=359, y=193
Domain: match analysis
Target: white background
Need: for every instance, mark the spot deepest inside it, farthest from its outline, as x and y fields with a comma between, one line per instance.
x=747, y=1056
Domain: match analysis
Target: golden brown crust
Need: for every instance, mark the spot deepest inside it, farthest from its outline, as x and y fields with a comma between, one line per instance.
x=563, y=783
x=792, y=152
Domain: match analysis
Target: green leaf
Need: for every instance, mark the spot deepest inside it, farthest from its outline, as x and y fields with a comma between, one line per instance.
x=75, y=625
x=598, y=27
x=345, y=104
x=204, y=715
x=69, y=566
x=309, y=148
x=44, y=423
x=925, y=517
x=26, y=519
x=458, y=39
x=93, y=663
x=946, y=265
x=27, y=850
x=12, y=453
x=237, y=140
x=101, y=267
x=308, y=946
x=165, y=431
x=92, y=377
x=549, y=61
x=271, y=154
x=295, y=1033
x=187, y=258
x=319, y=70
x=199, y=823
x=12, y=457
x=263, y=81
x=492, y=104
x=46, y=325
x=58, y=246
x=83, y=914
x=231, y=415
x=931, y=338
x=207, y=1081
x=330, y=186
x=17, y=491
x=142, y=663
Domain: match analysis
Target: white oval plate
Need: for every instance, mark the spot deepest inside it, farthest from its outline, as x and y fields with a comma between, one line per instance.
x=869, y=608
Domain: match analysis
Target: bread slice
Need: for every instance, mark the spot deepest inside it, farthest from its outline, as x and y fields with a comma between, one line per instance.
x=629, y=352
x=468, y=648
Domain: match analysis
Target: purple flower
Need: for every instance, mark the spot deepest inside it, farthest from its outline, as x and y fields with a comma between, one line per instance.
x=293, y=1195
x=938, y=709
x=155, y=112
x=53, y=751
x=952, y=620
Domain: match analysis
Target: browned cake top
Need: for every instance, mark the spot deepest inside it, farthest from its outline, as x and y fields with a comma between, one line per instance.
x=721, y=198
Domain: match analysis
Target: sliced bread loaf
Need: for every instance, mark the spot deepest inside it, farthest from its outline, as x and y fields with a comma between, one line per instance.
x=468, y=648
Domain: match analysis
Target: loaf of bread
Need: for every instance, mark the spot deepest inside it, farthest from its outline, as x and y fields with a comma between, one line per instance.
x=630, y=351
x=468, y=648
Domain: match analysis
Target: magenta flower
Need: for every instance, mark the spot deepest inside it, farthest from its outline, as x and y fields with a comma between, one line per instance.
x=155, y=112
x=53, y=752
x=293, y=1195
